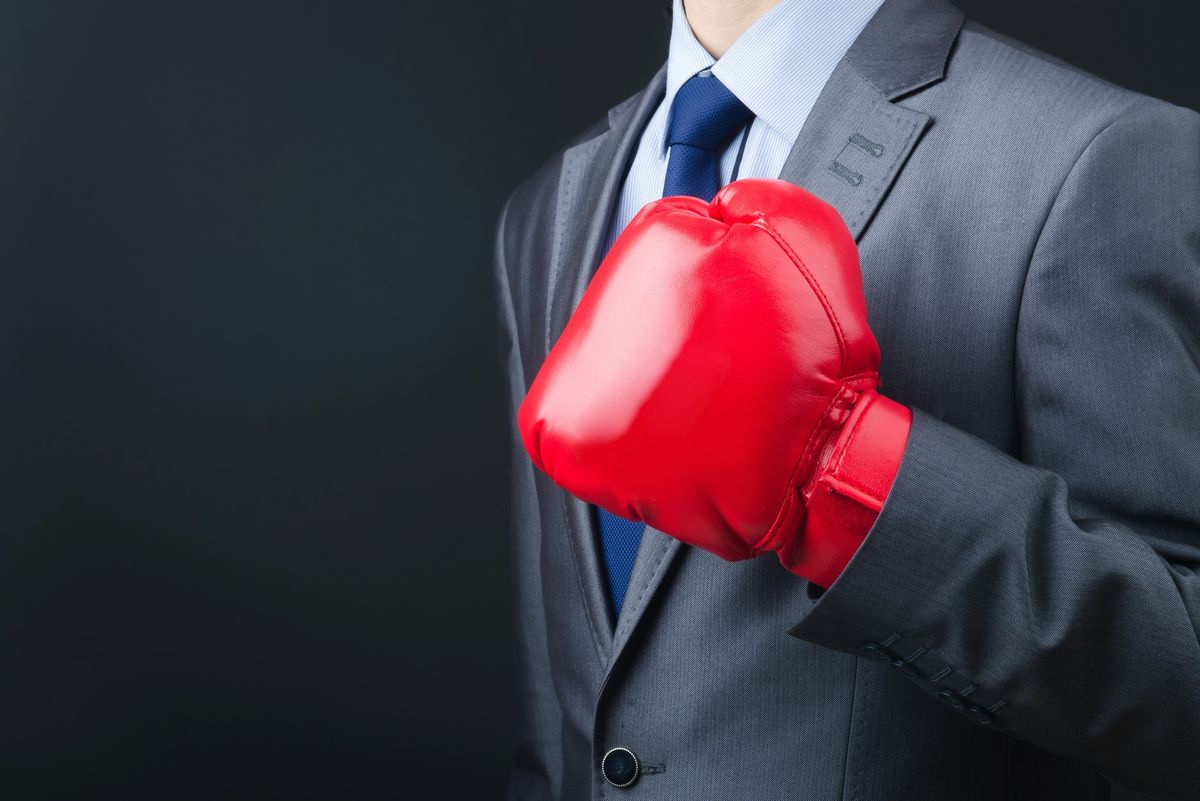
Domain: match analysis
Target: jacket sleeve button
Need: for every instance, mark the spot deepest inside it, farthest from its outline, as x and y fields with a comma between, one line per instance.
x=951, y=698
x=979, y=715
x=877, y=652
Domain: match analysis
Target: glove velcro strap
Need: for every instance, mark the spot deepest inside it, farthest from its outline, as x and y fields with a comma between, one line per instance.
x=851, y=487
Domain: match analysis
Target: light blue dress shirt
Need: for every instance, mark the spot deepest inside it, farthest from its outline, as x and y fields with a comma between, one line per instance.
x=777, y=67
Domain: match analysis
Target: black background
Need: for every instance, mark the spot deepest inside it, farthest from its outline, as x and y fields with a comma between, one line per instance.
x=252, y=466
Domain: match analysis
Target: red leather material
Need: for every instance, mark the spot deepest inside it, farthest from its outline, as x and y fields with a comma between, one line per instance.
x=849, y=489
x=704, y=378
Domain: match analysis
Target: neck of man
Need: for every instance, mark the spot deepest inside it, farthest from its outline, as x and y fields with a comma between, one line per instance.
x=718, y=23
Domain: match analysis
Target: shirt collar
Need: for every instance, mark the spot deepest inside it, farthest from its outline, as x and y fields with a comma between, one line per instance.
x=779, y=65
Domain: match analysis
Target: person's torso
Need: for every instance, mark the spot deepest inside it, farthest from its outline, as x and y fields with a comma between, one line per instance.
x=708, y=687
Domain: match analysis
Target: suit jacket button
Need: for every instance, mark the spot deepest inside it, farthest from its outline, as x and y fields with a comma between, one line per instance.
x=620, y=767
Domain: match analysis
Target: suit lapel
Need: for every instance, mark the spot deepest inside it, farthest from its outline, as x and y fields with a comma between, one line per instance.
x=852, y=147
x=856, y=139
x=655, y=555
x=588, y=188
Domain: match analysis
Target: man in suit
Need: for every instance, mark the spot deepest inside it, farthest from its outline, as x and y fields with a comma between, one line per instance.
x=1020, y=621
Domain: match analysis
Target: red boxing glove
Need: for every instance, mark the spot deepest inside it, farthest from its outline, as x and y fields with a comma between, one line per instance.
x=718, y=381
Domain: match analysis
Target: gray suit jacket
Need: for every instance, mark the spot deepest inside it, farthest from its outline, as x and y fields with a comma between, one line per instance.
x=1022, y=619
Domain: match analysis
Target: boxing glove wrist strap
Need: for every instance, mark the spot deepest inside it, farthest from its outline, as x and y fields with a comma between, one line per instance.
x=851, y=484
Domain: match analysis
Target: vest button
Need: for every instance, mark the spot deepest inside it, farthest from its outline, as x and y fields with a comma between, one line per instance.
x=620, y=767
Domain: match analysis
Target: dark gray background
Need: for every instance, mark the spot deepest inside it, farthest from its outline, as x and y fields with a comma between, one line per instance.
x=252, y=482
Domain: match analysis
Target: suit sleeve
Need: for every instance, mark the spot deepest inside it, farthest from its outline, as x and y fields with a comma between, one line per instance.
x=534, y=772
x=1057, y=598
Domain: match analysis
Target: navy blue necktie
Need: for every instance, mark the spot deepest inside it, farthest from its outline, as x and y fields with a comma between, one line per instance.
x=704, y=115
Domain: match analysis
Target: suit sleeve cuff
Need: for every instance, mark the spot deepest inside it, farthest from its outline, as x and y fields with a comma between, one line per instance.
x=919, y=543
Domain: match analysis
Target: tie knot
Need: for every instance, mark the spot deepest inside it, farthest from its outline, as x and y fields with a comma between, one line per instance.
x=704, y=113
